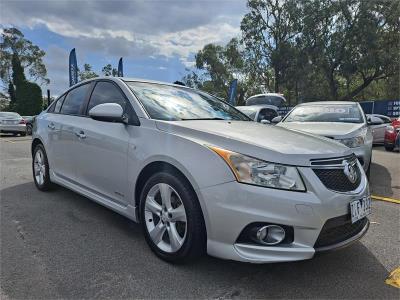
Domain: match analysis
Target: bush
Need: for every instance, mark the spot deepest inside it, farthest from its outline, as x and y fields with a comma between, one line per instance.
x=29, y=99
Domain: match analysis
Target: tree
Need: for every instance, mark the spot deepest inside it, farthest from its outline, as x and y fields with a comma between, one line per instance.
x=27, y=95
x=269, y=32
x=353, y=42
x=108, y=70
x=87, y=72
x=31, y=56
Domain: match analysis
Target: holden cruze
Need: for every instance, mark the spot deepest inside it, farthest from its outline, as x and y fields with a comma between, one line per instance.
x=199, y=175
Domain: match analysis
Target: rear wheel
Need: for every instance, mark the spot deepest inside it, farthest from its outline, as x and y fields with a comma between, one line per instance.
x=171, y=218
x=29, y=129
x=40, y=169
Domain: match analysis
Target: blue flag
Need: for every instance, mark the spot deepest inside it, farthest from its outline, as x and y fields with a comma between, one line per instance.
x=232, y=92
x=73, y=68
x=120, y=68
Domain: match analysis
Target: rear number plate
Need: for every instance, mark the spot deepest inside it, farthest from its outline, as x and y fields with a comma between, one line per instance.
x=360, y=208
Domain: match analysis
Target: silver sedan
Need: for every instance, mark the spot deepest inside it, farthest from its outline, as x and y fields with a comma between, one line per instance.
x=199, y=175
x=11, y=122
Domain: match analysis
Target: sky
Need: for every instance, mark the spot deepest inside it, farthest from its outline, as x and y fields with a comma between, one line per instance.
x=157, y=39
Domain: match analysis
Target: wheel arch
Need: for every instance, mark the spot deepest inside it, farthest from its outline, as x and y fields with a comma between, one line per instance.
x=162, y=165
x=36, y=141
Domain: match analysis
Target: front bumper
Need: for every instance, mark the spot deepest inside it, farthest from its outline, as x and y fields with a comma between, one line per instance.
x=230, y=207
x=18, y=128
x=364, y=154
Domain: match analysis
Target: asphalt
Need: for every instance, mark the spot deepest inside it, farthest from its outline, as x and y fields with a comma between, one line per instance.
x=61, y=245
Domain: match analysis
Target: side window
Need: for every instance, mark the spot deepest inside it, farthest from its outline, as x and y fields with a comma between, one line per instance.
x=74, y=99
x=59, y=102
x=106, y=92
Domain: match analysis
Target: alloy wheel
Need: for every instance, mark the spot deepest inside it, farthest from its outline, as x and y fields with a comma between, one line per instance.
x=165, y=218
x=39, y=167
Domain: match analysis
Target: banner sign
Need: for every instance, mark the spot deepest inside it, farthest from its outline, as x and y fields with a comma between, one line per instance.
x=232, y=92
x=120, y=68
x=73, y=68
x=283, y=110
x=390, y=108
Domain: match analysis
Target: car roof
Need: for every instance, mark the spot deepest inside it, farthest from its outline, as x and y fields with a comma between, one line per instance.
x=267, y=94
x=327, y=102
x=258, y=106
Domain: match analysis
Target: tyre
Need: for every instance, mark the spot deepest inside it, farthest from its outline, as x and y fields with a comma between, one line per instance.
x=172, y=219
x=368, y=172
x=40, y=169
x=23, y=134
x=389, y=147
x=29, y=129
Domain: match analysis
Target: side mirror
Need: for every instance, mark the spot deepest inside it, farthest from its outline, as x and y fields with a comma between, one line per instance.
x=108, y=112
x=276, y=120
x=265, y=122
x=371, y=120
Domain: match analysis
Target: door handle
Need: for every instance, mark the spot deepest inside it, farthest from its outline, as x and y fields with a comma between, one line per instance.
x=51, y=126
x=80, y=134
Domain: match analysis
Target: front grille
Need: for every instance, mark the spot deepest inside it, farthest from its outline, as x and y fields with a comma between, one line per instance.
x=339, y=229
x=332, y=175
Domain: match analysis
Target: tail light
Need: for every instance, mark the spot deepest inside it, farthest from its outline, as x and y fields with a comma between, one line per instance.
x=22, y=121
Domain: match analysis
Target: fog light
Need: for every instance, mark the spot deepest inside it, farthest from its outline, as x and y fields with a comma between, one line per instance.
x=270, y=234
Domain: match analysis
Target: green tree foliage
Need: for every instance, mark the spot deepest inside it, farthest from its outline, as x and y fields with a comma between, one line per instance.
x=309, y=50
x=29, y=99
x=31, y=56
x=87, y=72
x=27, y=95
x=108, y=70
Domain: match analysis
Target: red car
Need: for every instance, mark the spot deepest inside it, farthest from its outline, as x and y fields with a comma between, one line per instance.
x=392, y=135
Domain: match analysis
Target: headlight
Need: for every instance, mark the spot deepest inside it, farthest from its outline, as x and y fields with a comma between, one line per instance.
x=353, y=142
x=356, y=141
x=254, y=171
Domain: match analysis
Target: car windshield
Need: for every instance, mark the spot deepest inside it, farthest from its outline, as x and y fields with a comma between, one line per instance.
x=346, y=113
x=8, y=115
x=172, y=103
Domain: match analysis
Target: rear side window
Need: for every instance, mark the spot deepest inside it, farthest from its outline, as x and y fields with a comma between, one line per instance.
x=106, y=92
x=59, y=102
x=74, y=99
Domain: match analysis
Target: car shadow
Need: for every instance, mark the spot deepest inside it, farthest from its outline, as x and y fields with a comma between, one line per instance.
x=87, y=248
x=380, y=182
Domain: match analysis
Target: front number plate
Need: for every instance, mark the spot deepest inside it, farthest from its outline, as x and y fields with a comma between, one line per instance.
x=360, y=208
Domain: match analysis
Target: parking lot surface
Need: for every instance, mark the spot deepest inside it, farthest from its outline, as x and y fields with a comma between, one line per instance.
x=62, y=245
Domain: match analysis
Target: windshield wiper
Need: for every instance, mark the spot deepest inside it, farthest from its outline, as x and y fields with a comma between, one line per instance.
x=202, y=119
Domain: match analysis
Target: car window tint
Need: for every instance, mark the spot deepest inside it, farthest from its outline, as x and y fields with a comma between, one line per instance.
x=74, y=100
x=106, y=92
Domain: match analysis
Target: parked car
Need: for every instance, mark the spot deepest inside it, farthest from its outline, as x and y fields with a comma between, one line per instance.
x=198, y=174
x=378, y=129
x=29, y=123
x=342, y=121
x=392, y=134
x=274, y=99
x=260, y=113
x=11, y=122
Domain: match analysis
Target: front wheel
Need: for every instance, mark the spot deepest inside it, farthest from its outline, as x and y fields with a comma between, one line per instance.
x=171, y=218
x=40, y=169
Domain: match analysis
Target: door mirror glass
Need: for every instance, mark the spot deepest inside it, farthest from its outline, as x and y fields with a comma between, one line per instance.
x=108, y=112
x=276, y=120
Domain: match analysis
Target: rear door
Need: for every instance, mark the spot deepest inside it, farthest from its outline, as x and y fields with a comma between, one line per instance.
x=102, y=163
x=66, y=134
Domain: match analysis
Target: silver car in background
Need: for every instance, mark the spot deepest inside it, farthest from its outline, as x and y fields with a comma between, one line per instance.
x=11, y=122
x=378, y=124
x=199, y=175
x=342, y=121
